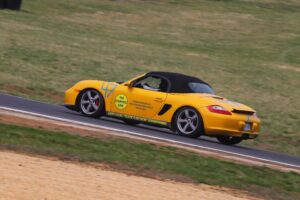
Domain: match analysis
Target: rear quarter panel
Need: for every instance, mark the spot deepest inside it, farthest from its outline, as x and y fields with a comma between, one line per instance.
x=178, y=101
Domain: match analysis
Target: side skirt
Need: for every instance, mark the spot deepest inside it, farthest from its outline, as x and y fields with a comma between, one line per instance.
x=140, y=119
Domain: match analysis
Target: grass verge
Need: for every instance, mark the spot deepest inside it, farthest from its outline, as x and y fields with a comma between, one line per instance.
x=141, y=158
x=247, y=50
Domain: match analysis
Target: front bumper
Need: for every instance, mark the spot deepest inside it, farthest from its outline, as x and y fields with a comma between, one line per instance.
x=71, y=96
x=230, y=125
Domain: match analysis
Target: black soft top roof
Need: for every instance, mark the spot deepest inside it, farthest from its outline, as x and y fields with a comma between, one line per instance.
x=178, y=82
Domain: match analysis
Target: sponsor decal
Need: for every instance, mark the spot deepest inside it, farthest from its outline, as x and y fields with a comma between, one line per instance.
x=141, y=105
x=121, y=101
x=146, y=120
x=157, y=122
x=108, y=88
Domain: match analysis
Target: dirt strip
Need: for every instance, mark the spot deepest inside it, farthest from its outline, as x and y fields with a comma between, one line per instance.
x=29, y=178
x=10, y=117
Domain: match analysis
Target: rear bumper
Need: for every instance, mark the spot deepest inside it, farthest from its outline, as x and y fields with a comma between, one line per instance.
x=230, y=125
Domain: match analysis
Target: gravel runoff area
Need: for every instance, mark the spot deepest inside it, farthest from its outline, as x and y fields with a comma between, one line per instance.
x=30, y=177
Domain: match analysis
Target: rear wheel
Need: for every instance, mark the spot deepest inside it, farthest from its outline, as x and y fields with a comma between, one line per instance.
x=188, y=122
x=91, y=103
x=13, y=4
x=229, y=140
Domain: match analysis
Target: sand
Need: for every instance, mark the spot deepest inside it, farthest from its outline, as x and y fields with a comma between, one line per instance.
x=27, y=177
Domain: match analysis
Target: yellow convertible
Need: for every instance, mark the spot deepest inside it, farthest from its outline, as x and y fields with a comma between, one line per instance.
x=185, y=104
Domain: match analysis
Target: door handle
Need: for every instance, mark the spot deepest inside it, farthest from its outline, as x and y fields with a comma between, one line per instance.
x=158, y=100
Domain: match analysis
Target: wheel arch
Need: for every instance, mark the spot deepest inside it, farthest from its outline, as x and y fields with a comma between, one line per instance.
x=85, y=89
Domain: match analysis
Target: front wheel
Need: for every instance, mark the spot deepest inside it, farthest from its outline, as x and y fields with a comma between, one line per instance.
x=188, y=122
x=91, y=103
x=229, y=140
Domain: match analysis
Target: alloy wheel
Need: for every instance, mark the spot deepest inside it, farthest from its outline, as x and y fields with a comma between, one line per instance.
x=90, y=102
x=187, y=121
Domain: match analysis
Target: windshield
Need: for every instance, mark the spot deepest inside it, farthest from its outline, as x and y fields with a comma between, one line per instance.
x=200, y=88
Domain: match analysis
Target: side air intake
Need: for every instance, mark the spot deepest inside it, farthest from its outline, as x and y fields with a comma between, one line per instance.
x=164, y=109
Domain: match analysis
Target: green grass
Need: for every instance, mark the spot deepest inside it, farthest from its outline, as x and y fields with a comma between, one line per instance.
x=248, y=50
x=142, y=157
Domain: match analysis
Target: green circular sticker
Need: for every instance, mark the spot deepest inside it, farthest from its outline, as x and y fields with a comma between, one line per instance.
x=121, y=101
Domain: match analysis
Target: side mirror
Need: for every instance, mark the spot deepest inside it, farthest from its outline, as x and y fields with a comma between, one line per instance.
x=130, y=84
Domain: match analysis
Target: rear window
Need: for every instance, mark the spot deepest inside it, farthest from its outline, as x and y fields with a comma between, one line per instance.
x=200, y=88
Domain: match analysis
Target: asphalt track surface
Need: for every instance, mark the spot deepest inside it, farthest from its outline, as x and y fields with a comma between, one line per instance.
x=60, y=112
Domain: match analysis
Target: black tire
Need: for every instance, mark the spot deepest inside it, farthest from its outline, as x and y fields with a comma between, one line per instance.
x=130, y=122
x=2, y=4
x=91, y=107
x=13, y=4
x=194, y=128
x=228, y=140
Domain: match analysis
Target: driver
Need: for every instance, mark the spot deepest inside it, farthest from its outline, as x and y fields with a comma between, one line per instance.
x=147, y=87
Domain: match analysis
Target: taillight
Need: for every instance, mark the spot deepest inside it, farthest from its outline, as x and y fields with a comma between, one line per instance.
x=218, y=109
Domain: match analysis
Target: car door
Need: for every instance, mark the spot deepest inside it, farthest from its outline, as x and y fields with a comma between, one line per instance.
x=143, y=98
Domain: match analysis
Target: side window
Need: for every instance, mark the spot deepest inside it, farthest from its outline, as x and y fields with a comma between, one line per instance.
x=152, y=83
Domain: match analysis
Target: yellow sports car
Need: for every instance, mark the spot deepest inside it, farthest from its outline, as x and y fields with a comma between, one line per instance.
x=182, y=103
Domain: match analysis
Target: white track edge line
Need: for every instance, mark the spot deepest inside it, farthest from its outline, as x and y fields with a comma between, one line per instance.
x=145, y=136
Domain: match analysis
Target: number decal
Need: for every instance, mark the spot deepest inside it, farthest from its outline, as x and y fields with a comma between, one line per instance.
x=108, y=88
